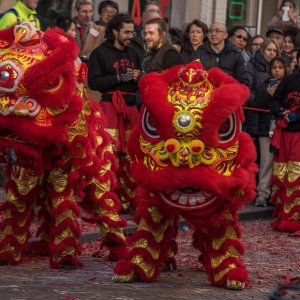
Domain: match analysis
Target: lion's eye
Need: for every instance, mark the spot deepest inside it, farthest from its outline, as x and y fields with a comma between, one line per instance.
x=4, y=75
x=227, y=130
x=149, y=126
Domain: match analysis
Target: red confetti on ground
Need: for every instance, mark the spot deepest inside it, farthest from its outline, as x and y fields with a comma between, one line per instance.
x=271, y=257
x=68, y=297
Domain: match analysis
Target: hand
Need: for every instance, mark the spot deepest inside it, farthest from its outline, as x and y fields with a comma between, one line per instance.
x=285, y=115
x=136, y=74
x=292, y=16
x=125, y=77
x=271, y=89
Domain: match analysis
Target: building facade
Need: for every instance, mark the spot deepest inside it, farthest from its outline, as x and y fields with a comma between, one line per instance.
x=253, y=14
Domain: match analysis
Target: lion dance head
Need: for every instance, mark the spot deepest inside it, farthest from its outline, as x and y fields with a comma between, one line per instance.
x=188, y=147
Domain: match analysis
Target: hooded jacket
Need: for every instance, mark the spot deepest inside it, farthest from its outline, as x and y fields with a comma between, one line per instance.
x=106, y=62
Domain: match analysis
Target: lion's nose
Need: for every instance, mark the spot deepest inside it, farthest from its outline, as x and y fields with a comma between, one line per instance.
x=184, y=152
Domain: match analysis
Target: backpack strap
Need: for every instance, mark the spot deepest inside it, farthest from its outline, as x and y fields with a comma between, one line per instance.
x=13, y=11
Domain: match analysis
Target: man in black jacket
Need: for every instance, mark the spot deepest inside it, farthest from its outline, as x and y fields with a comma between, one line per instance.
x=114, y=70
x=161, y=54
x=219, y=52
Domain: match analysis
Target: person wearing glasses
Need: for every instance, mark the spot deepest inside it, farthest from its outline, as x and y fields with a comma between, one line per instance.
x=240, y=38
x=89, y=35
x=255, y=43
x=219, y=52
x=107, y=9
x=114, y=70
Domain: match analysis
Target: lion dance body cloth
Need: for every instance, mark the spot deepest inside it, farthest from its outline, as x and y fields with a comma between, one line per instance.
x=190, y=159
x=64, y=157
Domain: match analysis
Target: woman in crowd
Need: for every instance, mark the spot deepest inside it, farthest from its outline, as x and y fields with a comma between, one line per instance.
x=293, y=63
x=256, y=42
x=258, y=73
x=286, y=17
x=68, y=25
x=277, y=69
x=240, y=37
x=193, y=37
x=258, y=64
x=288, y=43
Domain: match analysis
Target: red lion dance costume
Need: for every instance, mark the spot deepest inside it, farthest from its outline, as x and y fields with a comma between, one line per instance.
x=190, y=159
x=63, y=153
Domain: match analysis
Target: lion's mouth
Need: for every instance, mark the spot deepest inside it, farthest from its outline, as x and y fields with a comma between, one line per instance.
x=188, y=199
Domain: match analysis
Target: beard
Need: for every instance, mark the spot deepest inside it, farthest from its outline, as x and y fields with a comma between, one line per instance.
x=153, y=44
x=124, y=42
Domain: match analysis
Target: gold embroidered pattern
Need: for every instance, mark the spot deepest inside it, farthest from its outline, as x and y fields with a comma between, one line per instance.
x=220, y=275
x=59, y=180
x=229, y=234
x=231, y=252
x=143, y=243
x=147, y=268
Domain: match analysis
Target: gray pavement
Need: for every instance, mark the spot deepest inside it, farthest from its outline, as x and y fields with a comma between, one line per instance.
x=94, y=281
x=269, y=255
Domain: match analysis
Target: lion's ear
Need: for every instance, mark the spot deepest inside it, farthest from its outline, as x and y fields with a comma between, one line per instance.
x=51, y=81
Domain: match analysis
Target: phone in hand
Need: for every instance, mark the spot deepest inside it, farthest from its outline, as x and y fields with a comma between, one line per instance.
x=285, y=16
x=273, y=81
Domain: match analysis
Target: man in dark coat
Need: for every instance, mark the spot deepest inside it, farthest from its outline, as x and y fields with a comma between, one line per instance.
x=219, y=52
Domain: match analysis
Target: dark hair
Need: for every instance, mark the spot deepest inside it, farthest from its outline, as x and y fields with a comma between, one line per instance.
x=117, y=23
x=175, y=34
x=292, y=35
x=256, y=37
x=282, y=61
x=233, y=30
x=65, y=23
x=199, y=24
x=289, y=1
x=105, y=3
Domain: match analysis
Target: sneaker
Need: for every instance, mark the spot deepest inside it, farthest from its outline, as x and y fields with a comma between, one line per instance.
x=261, y=201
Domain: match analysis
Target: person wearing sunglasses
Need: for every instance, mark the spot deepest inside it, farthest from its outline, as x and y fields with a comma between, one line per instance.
x=240, y=38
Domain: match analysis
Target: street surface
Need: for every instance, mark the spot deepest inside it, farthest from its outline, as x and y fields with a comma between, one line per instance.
x=271, y=257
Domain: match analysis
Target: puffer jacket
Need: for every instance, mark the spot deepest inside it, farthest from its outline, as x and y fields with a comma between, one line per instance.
x=257, y=74
x=257, y=71
x=261, y=100
x=230, y=60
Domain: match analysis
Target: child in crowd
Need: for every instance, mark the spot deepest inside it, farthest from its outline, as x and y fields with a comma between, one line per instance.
x=285, y=105
x=277, y=70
